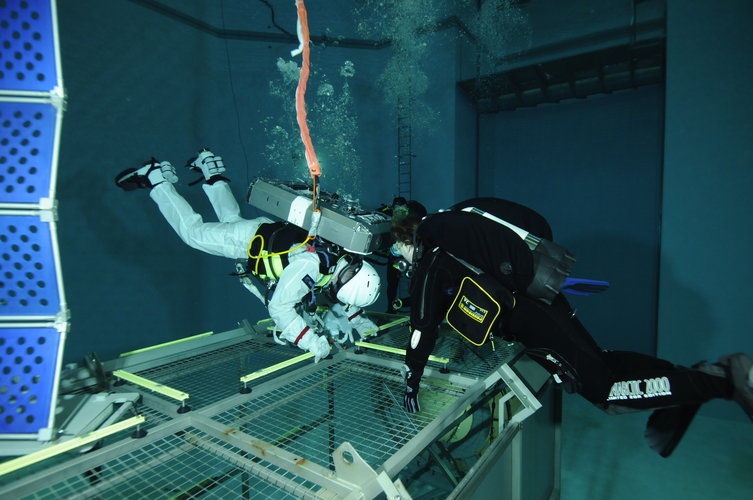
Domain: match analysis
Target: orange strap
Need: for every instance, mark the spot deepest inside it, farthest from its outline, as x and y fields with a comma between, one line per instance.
x=300, y=104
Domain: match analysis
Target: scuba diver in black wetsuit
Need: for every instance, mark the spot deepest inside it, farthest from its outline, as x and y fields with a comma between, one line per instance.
x=507, y=249
x=399, y=209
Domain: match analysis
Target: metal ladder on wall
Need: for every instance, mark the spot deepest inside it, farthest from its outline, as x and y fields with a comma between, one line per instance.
x=404, y=147
x=404, y=161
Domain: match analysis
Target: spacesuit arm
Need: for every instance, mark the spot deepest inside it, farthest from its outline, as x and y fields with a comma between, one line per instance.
x=291, y=288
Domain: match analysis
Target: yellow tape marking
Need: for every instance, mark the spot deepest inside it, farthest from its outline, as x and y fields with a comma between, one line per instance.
x=145, y=349
x=151, y=385
x=395, y=350
x=38, y=456
x=274, y=368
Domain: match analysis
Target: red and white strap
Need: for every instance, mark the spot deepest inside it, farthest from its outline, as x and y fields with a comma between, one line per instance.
x=360, y=312
x=300, y=335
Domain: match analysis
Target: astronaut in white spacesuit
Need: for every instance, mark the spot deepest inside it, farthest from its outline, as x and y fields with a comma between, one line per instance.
x=278, y=253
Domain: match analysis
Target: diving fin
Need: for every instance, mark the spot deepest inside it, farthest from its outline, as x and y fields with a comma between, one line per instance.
x=667, y=426
x=579, y=286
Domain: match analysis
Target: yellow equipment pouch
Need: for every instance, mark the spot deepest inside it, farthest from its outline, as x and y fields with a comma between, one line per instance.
x=476, y=307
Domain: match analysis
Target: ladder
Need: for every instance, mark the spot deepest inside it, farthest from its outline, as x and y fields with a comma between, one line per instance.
x=404, y=148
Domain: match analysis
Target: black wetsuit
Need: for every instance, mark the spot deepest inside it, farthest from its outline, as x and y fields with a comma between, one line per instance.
x=552, y=335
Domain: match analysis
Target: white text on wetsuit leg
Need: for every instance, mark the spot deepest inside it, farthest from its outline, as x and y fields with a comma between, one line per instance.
x=640, y=389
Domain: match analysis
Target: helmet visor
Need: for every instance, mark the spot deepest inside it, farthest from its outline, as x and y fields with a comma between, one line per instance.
x=346, y=273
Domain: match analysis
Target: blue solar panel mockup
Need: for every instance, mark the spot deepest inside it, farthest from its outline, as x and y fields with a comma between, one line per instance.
x=27, y=138
x=27, y=41
x=28, y=360
x=28, y=277
x=33, y=314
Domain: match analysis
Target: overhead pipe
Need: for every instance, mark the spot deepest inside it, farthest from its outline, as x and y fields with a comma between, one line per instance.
x=288, y=38
x=257, y=36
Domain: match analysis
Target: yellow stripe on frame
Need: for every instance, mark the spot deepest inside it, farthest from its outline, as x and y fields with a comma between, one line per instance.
x=151, y=385
x=38, y=456
x=145, y=349
x=399, y=321
x=274, y=368
x=395, y=350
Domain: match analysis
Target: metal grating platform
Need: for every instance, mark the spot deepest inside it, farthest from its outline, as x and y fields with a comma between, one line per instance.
x=346, y=401
x=464, y=358
x=212, y=376
x=182, y=465
x=288, y=438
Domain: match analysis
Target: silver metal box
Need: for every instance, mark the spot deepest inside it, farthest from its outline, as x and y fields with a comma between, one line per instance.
x=343, y=221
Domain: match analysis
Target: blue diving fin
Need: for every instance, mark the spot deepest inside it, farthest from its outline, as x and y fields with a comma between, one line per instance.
x=579, y=286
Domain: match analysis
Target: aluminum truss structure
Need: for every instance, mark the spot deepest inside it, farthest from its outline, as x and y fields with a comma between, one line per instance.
x=336, y=429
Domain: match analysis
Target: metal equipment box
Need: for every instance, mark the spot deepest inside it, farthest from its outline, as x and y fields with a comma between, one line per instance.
x=344, y=222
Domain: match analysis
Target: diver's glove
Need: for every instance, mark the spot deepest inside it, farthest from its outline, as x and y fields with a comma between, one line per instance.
x=410, y=400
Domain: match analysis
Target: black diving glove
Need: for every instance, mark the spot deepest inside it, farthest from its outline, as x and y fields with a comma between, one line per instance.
x=410, y=400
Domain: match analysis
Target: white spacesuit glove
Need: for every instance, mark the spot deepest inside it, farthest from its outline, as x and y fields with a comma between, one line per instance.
x=247, y=282
x=313, y=343
x=364, y=326
x=332, y=325
x=341, y=328
x=313, y=321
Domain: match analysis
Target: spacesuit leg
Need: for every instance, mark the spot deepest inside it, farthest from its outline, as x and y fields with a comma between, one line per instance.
x=225, y=239
x=223, y=202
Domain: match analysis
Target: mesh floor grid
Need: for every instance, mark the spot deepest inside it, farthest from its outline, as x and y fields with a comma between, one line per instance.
x=464, y=358
x=153, y=419
x=347, y=401
x=215, y=375
x=186, y=464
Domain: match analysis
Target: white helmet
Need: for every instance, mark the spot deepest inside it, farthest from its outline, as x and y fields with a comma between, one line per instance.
x=355, y=282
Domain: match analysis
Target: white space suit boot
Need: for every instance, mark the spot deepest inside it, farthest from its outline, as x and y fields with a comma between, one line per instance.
x=316, y=345
x=147, y=176
x=210, y=165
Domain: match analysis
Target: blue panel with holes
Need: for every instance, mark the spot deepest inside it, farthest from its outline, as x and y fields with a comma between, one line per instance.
x=28, y=281
x=27, y=46
x=27, y=137
x=28, y=359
